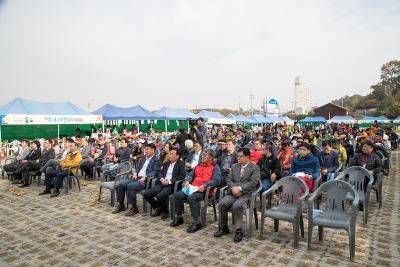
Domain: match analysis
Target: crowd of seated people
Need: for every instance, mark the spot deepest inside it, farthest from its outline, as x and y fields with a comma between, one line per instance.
x=203, y=158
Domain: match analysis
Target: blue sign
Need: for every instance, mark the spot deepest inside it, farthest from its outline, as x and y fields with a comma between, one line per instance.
x=272, y=102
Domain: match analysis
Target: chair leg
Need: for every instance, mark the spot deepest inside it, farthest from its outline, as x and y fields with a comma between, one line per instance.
x=262, y=224
x=320, y=233
x=215, y=211
x=256, y=217
x=66, y=184
x=310, y=229
x=352, y=245
x=295, y=234
x=302, y=226
x=112, y=197
x=380, y=196
x=171, y=207
x=98, y=199
x=249, y=223
x=203, y=214
x=276, y=225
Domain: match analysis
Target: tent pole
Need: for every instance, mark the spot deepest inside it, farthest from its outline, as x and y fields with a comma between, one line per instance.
x=166, y=126
x=58, y=131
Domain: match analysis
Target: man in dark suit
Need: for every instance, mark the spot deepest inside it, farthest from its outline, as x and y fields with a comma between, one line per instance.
x=34, y=165
x=194, y=157
x=171, y=172
x=242, y=182
x=149, y=166
x=33, y=155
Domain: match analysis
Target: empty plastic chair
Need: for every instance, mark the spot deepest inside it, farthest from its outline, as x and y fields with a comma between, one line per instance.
x=123, y=173
x=290, y=192
x=361, y=180
x=336, y=212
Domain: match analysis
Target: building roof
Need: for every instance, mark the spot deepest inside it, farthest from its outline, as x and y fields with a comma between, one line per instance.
x=332, y=104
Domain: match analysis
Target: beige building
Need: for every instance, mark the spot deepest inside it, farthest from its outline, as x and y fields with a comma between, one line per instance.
x=302, y=97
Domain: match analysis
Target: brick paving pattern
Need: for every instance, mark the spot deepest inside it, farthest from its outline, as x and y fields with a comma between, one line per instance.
x=74, y=230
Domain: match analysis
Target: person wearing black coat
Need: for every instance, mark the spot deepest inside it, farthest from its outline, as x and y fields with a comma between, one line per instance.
x=368, y=159
x=181, y=139
x=270, y=169
x=34, y=165
x=158, y=195
x=33, y=155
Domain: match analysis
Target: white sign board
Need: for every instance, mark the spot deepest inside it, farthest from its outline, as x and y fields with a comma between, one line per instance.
x=21, y=119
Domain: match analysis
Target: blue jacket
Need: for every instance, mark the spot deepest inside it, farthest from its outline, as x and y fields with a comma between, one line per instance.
x=309, y=165
x=329, y=161
x=153, y=168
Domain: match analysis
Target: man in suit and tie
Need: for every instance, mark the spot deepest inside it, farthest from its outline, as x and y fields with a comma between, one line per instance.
x=242, y=182
x=149, y=166
x=171, y=172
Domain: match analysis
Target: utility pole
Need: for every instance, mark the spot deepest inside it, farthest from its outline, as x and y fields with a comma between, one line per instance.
x=251, y=104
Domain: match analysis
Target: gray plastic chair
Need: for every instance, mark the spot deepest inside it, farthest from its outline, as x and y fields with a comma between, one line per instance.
x=337, y=213
x=70, y=178
x=291, y=192
x=250, y=209
x=123, y=172
x=35, y=175
x=361, y=180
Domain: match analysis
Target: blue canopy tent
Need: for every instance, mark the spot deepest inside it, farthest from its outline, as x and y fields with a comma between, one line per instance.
x=345, y=119
x=240, y=119
x=134, y=113
x=287, y=120
x=275, y=119
x=177, y=114
x=369, y=119
x=260, y=119
x=26, y=112
x=214, y=117
x=111, y=112
x=313, y=119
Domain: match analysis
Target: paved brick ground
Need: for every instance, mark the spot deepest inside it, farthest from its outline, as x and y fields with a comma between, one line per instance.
x=74, y=231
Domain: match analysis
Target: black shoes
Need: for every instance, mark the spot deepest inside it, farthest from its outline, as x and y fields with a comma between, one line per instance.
x=156, y=213
x=224, y=230
x=45, y=192
x=238, y=236
x=164, y=215
x=120, y=208
x=176, y=222
x=23, y=185
x=56, y=193
x=194, y=228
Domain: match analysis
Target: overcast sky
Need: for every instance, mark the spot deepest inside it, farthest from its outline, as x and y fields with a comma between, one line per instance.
x=192, y=53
